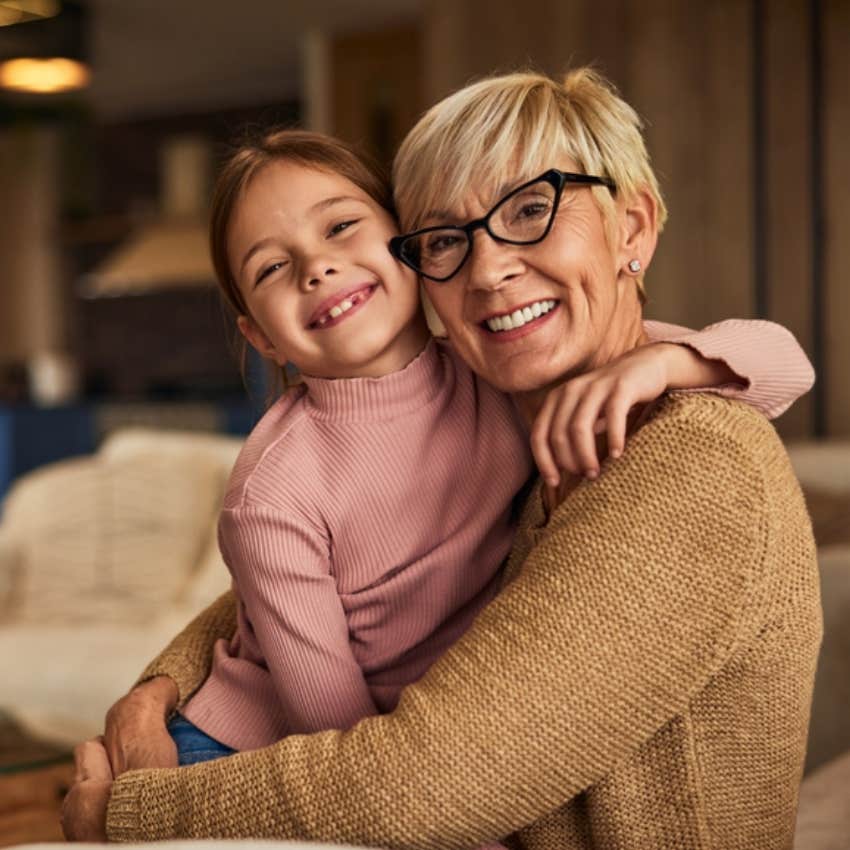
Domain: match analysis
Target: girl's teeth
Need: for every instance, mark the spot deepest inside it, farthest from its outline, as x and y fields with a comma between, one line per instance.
x=343, y=307
x=520, y=317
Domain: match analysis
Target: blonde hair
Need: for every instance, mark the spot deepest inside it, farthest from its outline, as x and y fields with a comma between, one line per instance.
x=517, y=126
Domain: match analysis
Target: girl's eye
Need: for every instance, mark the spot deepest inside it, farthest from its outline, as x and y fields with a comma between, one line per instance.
x=343, y=225
x=270, y=270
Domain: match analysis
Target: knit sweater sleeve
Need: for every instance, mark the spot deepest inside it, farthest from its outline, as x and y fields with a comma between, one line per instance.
x=773, y=368
x=632, y=598
x=281, y=563
x=188, y=657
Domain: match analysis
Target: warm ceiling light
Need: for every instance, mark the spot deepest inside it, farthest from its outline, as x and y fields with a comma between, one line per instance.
x=43, y=76
x=18, y=11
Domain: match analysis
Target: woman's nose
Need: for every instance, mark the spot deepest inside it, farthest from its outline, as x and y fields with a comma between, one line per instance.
x=491, y=264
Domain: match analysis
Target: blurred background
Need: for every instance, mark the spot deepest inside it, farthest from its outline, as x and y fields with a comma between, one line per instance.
x=107, y=313
x=122, y=407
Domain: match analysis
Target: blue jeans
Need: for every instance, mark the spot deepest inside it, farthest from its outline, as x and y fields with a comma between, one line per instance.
x=193, y=745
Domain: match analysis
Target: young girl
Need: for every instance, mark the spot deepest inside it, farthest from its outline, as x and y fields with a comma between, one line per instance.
x=369, y=512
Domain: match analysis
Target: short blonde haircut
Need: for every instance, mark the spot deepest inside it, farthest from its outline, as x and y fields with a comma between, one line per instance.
x=515, y=127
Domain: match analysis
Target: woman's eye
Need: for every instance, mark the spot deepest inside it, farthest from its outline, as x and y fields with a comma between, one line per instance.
x=270, y=270
x=343, y=225
x=438, y=244
x=533, y=210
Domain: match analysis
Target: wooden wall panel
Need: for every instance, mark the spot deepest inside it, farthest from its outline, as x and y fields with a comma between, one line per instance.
x=786, y=33
x=836, y=170
x=689, y=77
x=376, y=88
x=32, y=300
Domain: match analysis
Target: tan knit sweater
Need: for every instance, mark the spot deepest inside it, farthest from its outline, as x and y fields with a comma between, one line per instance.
x=643, y=680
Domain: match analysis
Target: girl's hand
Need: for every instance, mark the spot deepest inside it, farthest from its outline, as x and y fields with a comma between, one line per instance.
x=84, y=807
x=563, y=436
x=136, y=735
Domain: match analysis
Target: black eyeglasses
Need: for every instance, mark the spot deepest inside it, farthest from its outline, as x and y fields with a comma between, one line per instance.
x=523, y=217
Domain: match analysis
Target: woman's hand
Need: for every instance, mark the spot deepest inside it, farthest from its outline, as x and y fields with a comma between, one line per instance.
x=84, y=808
x=564, y=434
x=136, y=735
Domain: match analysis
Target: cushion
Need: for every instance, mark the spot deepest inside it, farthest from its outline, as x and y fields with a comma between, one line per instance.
x=109, y=540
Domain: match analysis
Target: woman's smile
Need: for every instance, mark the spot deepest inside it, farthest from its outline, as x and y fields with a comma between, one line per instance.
x=519, y=321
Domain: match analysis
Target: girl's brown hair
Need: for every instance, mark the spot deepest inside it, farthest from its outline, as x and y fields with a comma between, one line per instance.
x=313, y=150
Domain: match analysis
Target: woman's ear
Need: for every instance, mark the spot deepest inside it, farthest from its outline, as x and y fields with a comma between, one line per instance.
x=638, y=231
x=258, y=339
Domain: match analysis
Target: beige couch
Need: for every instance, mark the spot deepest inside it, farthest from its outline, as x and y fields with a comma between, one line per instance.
x=104, y=559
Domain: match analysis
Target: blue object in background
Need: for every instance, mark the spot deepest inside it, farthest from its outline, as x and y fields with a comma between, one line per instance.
x=33, y=436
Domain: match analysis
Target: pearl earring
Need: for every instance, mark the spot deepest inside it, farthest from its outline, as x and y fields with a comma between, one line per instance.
x=634, y=266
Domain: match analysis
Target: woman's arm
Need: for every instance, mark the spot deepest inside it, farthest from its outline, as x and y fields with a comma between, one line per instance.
x=530, y=706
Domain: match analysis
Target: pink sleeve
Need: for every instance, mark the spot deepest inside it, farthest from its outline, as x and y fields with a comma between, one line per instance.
x=773, y=368
x=281, y=565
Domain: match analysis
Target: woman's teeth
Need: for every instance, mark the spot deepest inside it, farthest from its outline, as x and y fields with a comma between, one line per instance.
x=518, y=318
x=343, y=307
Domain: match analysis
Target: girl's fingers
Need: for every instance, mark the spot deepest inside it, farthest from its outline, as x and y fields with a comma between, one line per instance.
x=562, y=433
x=540, y=447
x=616, y=414
x=582, y=431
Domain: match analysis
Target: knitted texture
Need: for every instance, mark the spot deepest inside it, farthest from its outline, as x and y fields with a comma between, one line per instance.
x=642, y=681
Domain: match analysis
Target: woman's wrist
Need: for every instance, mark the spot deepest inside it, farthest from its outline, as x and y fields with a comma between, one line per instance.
x=160, y=693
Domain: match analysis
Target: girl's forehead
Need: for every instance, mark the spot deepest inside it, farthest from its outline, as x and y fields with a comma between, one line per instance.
x=299, y=182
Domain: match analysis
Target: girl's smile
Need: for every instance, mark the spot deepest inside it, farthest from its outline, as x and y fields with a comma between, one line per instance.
x=340, y=306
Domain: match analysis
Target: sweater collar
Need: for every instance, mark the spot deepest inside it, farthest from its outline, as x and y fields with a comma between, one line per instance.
x=375, y=399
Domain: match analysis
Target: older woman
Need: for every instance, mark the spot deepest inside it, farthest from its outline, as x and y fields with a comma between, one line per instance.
x=644, y=678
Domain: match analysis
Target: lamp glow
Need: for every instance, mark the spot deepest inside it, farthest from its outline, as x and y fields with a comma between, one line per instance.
x=44, y=76
x=18, y=11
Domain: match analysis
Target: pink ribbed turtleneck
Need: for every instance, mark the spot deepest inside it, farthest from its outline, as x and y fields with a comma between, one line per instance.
x=364, y=526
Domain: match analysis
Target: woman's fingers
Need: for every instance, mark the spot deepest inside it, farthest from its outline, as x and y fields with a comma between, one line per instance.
x=91, y=761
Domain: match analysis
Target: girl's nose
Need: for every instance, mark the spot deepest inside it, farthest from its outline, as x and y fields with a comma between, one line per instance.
x=316, y=272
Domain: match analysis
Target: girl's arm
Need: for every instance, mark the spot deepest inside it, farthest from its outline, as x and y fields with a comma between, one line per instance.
x=281, y=565
x=773, y=369
x=756, y=362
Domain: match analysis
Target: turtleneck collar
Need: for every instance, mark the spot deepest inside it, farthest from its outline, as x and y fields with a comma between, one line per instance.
x=375, y=399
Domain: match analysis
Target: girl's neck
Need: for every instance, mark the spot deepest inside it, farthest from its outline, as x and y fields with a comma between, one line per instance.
x=405, y=348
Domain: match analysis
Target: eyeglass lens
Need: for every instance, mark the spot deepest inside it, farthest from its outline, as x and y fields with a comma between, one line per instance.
x=522, y=217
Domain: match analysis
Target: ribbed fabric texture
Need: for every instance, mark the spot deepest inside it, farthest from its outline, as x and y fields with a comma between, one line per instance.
x=766, y=353
x=642, y=681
